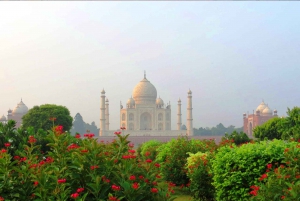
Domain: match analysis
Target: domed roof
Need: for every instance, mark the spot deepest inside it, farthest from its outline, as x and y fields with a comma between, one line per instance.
x=144, y=92
x=3, y=118
x=159, y=101
x=21, y=108
x=267, y=111
x=261, y=107
x=131, y=101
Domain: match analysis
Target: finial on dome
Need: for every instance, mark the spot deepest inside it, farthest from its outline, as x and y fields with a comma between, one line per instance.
x=145, y=74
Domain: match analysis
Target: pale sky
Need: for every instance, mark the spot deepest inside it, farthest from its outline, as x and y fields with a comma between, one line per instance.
x=230, y=54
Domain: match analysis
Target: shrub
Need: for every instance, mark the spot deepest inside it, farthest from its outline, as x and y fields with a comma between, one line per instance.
x=238, y=138
x=149, y=149
x=282, y=180
x=199, y=172
x=235, y=169
x=173, y=156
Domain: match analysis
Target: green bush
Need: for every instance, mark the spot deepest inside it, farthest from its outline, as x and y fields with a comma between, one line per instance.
x=199, y=171
x=149, y=149
x=235, y=169
x=173, y=156
x=282, y=181
x=238, y=138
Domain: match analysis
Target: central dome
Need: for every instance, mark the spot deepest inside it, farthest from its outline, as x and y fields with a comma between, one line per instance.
x=144, y=92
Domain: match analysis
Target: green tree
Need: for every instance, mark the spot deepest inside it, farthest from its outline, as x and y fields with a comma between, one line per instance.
x=292, y=124
x=39, y=117
x=272, y=129
x=238, y=138
x=78, y=125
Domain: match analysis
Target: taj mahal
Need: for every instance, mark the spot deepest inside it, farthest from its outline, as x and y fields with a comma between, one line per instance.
x=145, y=114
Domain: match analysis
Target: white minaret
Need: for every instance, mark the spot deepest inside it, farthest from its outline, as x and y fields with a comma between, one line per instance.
x=189, y=115
x=102, y=113
x=179, y=115
x=106, y=115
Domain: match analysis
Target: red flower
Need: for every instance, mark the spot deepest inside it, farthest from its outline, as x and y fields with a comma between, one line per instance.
x=131, y=145
x=263, y=177
x=35, y=183
x=79, y=190
x=16, y=157
x=131, y=151
x=122, y=128
x=141, y=177
x=77, y=135
x=149, y=161
x=60, y=181
x=31, y=139
x=89, y=135
x=3, y=150
x=94, y=167
x=7, y=144
x=74, y=195
x=135, y=185
x=132, y=178
x=254, y=193
x=269, y=166
x=115, y=187
x=157, y=165
x=117, y=133
x=283, y=197
x=84, y=151
x=147, y=153
x=113, y=198
x=154, y=190
x=1, y=198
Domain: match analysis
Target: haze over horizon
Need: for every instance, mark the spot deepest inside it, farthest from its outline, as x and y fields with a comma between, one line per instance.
x=230, y=54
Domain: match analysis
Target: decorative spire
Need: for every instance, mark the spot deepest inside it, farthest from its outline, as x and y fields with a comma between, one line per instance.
x=145, y=74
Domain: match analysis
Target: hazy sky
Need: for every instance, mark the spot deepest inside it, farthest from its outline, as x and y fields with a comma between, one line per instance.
x=230, y=54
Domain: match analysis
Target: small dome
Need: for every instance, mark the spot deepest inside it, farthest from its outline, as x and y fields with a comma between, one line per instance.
x=189, y=92
x=144, y=92
x=267, y=111
x=261, y=107
x=21, y=108
x=3, y=118
x=9, y=111
x=131, y=102
x=159, y=101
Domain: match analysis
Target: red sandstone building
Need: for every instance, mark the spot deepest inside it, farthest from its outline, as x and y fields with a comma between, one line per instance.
x=262, y=114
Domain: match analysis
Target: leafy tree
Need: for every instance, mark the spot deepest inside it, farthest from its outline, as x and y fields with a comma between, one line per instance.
x=78, y=125
x=272, y=129
x=292, y=124
x=40, y=117
x=238, y=138
x=92, y=128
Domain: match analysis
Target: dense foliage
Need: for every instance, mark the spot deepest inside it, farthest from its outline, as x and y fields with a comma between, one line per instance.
x=219, y=129
x=238, y=138
x=235, y=169
x=173, y=156
x=280, y=128
x=149, y=149
x=42, y=117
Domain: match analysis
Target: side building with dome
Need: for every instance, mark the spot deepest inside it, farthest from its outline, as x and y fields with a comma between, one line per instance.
x=146, y=115
x=262, y=114
x=16, y=114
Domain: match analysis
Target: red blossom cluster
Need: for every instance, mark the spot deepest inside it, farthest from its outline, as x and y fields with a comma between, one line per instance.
x=115, y=187
x=60, y=181
x=154, y=190
x=58, y=129
x=106, y=180
x=31, y=139
x=264, y=176
x=77, y=193
x=135, y=185
x=77, y=136
x=73, y=146
x=113, y=198
x=94, y=167
x=132, y=178
x=7, y=144
x=128, y=156
x=254, y=190
x=89, y=135
x=84, y=151
x=130, y=145
x=117, y=132
x=122, y=128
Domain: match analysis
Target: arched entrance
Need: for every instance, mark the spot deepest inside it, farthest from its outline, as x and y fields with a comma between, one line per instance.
x=145, y=121
x=250, y=128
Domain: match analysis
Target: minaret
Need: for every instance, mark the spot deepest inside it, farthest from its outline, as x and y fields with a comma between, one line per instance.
x=102, y=113
x=106, y=115
x=179, y=115
x=189, y=115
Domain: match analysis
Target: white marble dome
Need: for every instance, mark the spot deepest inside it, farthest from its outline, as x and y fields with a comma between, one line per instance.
x=261, y=107
x=21, y=108
x=3, y=118
x=267, y=111
x=144, y=92
x=130, y=102
x=159, y=101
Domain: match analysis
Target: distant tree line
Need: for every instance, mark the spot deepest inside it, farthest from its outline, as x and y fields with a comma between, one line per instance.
x=79, y=126
x=219, y=129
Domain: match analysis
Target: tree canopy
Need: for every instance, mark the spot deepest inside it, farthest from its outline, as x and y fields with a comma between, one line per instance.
x=219, y=129
x=79, y=126
x=42, y=117
x=280, y=128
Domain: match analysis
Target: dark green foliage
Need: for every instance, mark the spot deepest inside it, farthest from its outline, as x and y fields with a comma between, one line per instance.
x=292, y=124
x=272, y=129
x=39, y=117
x=238, y=138
x=148, y=149
x=235, y=169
